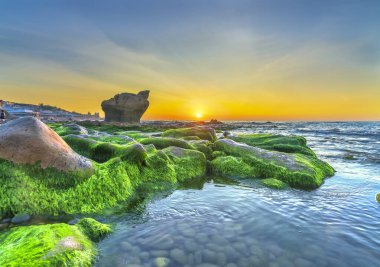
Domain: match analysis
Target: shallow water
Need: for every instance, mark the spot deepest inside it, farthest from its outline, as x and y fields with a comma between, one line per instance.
x=225, y=223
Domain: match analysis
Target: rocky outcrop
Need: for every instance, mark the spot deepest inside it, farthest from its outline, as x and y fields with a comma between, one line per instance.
x=28, y=140
x=126, y=107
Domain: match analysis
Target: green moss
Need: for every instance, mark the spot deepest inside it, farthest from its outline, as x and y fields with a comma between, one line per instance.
x=45, y=245
x=136, y=154
x=273, y=183
x=299, y=171
x=164, y=142
x=232, y=167
x=216, y=154
x=203, y=146
x=82, y=146
x=281, y=143
x=95, y=230
x=187, y=163
x=191, y=138
x=132, y=171
x=378, y=197
x=204, y=133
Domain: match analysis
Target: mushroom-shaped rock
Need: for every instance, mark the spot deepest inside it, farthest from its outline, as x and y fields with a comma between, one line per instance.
x=126, y=107
x=28, y=140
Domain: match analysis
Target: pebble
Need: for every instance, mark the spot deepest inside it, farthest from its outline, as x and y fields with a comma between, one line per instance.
x=22, y=218
x=159, y=253
x=161, y=262
x=73, y=222
x=190, y=245
x=209, y=256
x=126, y=246
x=179, y=256
x=6, y=220
x=144, y=255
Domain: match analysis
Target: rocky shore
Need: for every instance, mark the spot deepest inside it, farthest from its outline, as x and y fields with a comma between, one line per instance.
x=84, y=170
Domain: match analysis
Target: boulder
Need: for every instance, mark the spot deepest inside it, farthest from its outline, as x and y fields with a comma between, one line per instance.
x=27, y=140
x=298, y=170
x=126, y=107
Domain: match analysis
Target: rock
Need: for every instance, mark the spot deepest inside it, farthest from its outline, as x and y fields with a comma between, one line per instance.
x=21, y=218
x=76, y=129
x=144, y=255
x=203, y=132
x=69, y=242
x=3, y=226
x=299, y=171
x=73, y=222
x=161, y=262
x=226, y=134
x=159, y=253
x=6, y=220
x=126, y=107
x=209, y=256
x=28, y=140
x=179, y=256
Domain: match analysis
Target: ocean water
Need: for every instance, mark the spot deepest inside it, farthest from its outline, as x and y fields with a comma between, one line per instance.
x=220, y=222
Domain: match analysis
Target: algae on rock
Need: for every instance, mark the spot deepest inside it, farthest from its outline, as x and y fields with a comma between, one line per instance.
x=204, y=133
x=50, y=245
x=298, y=170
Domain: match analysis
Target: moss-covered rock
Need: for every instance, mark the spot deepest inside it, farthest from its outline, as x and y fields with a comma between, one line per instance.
x=204, y=133
x=203, y=146
x=378, y=197
x=93, y=229
x=298, y=170
x=281, y=143
x=187, y=163
x=46, y=245
x=131, y=171
x=231, y=167
x=273, y=183
x=164, y=142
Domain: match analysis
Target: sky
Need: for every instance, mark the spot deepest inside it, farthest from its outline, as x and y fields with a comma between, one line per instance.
x=228, y=60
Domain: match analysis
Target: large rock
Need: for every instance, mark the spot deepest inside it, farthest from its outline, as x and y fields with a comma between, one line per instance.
x=126, y=107
x=28, y=140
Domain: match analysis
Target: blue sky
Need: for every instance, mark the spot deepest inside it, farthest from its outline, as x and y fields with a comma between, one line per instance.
x=270, y=59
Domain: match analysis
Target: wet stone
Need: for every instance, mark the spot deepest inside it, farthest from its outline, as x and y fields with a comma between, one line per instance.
x=209, y=256
x=6, y=220
x=126, y=246
x=159, y=253
x=221, y=259
x=161, y=262
x=190, y=245
x=22, y=218
x=144, y=255
x=179, y=256
x=198, y=257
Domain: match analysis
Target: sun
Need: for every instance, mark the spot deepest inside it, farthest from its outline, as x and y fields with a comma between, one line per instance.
x=198, y=115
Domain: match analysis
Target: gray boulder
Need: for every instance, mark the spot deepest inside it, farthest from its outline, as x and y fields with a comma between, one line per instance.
x=126, y=107
x=28, y=140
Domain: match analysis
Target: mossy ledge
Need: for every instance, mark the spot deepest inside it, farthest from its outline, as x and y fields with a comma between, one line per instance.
x=298, y=170
x=51, y=244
